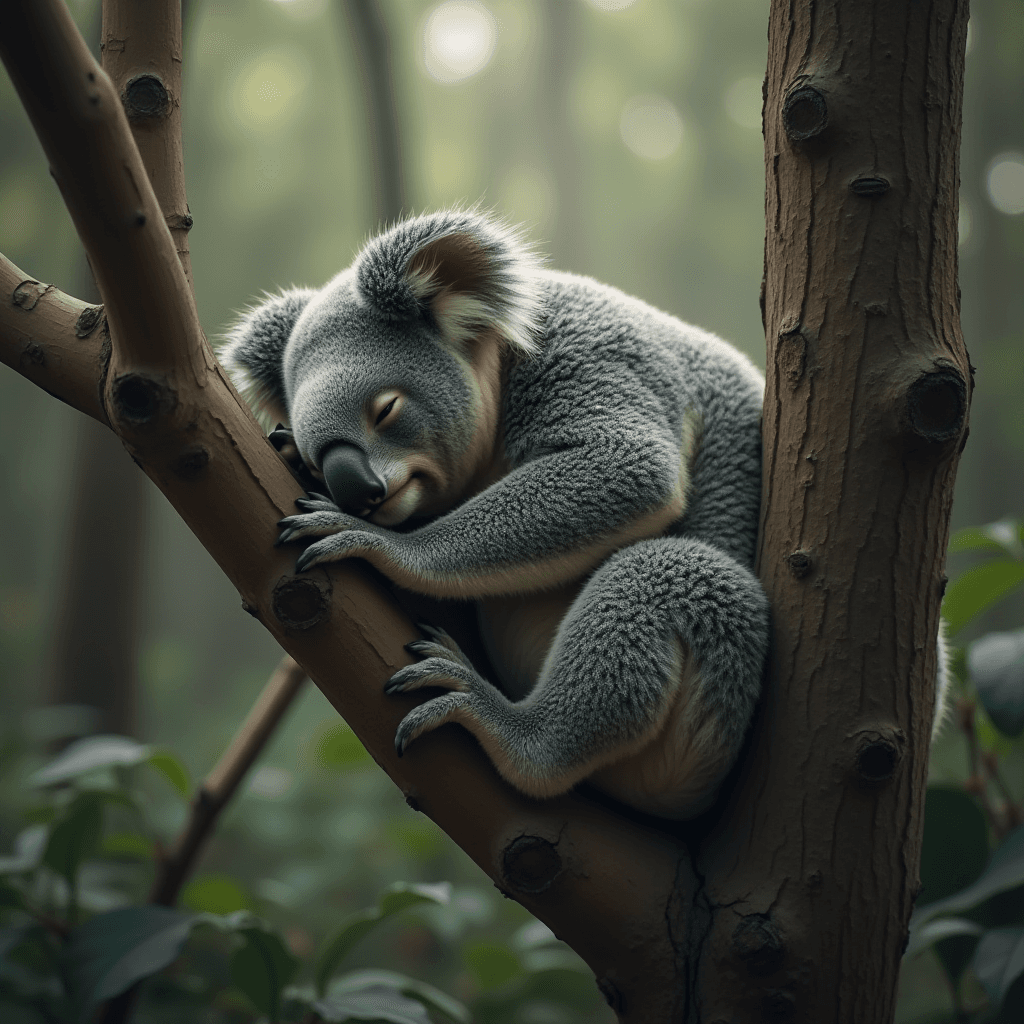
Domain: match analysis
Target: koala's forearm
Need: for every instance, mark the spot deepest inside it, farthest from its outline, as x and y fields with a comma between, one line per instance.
x=538, y=527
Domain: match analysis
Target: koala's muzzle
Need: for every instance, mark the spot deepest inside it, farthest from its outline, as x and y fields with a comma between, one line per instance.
x=350, y=478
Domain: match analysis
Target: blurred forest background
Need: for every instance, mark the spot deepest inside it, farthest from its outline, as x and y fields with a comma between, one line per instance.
x=626, y=136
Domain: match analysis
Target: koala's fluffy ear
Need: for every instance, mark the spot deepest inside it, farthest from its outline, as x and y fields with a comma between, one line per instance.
x=472, y=273
x=253, y=352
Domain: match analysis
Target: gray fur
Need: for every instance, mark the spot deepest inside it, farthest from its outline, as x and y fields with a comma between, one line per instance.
x=606, y=406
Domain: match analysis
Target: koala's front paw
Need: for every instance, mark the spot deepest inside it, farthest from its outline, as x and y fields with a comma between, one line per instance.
x=343, y=536
x=444, y=666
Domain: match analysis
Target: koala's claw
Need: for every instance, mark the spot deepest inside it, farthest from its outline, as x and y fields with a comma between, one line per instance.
x=428, y=716
x=438, y=670
x=314, y=502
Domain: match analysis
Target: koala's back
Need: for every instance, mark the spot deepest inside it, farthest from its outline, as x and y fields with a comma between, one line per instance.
x=610, y=364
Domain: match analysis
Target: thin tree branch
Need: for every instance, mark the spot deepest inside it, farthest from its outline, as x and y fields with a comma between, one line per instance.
x=142, y=53
x=58, y=342
x=223, y=781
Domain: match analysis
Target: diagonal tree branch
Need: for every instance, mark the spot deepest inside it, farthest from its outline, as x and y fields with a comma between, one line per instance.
x=609, y=887
x=57, y=342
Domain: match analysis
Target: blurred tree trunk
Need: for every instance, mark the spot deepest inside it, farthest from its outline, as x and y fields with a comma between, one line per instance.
x=562, y=36
x=993, y=269
x=371, y=46
x=94, y=649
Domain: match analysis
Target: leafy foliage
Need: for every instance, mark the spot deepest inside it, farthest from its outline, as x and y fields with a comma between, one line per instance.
x=971, y=909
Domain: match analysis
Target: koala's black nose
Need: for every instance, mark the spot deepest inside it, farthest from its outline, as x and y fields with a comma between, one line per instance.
x=350, y=478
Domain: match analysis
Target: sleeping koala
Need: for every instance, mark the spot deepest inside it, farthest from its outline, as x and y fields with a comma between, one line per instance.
x=585, y=467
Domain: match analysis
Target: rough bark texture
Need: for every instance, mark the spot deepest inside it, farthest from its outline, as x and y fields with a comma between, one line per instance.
x=810, y=877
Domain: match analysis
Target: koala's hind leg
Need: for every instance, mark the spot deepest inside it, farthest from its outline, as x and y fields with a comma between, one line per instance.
x=652, y=677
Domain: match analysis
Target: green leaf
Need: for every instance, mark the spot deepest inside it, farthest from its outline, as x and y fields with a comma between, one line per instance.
x=87, y=756
x=396, y=898
x=491, y=965
x=261, y=968
x=76, y=835
x=999, y=961
x=338, y=747
x=110, y=952
x=996, y=664
x=215, y=894
x=372, y=1003
x=978, y=588
x=1005, y=536
x=29, y=846
x=955, y=845
x=941, y=928
x=432, y=998
x=1005, y=871
x=171, y=768
x=127, y=845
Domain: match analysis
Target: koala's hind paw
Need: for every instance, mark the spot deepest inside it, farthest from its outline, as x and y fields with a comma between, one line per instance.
x=449, y=707
x=434, y=671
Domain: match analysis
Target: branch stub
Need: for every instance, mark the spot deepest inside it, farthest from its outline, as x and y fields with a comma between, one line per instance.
x=301, y=602
x=530, y=864
x=87, y=321
x=28, y=293
x=869, y=186
x=804, y=114
x=937, y=404
x=757, y=942
x=800, y=563
x=879, y=755
x=144, y=97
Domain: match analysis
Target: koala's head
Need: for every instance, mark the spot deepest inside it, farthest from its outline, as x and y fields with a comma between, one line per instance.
x=390, y=375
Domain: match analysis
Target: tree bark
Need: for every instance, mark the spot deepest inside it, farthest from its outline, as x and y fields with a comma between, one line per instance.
x=791, y=902
x=811, y=873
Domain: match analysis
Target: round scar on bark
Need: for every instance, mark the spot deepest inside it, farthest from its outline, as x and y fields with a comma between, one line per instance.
x=869, y=186
x=530, y=864
x=878, y=756
x=301, y=602
x=87, y=321
x=804, y=114
x=145, y=96
x=140, y=398
x=800, y=563
x=756, y=941
x=190, y=464
x=937, y=404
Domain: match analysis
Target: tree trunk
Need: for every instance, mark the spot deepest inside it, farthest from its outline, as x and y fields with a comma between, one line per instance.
x=811, y=873
x=791, y=901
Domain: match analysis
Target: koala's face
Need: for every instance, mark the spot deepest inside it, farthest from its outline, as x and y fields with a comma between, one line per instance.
x=396, y=422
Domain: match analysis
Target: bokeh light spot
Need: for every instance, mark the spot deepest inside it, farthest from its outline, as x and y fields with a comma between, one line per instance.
x=458, y=40
x=651, y=127
x=1006, y=183
x=267, y=92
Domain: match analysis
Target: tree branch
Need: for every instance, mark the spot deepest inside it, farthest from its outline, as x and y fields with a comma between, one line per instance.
x=219, y=787
x=57, y=342
x=613, y=889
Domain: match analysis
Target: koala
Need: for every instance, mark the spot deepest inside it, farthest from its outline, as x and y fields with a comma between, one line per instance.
x=584, y=467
